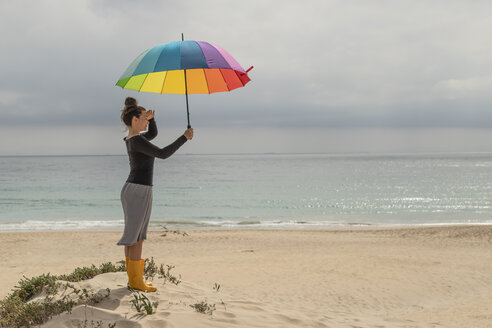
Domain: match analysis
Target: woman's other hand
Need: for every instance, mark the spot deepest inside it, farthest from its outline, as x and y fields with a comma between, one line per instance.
x=150, y=114
x=188, y=134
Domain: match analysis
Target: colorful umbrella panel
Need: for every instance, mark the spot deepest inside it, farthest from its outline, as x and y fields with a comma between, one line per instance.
x=162, y=69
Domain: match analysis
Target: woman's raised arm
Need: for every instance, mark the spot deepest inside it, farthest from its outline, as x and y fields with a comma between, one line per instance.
x=144, y=146
x=151, y=131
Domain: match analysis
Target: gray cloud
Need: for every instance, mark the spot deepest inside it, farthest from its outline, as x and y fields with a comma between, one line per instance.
x=324, y=64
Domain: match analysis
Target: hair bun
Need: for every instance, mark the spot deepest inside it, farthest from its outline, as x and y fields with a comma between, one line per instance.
x=130, y=102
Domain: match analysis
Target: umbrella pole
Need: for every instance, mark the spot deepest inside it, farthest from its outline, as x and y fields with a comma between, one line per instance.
x=187, y=109
x=186, y=92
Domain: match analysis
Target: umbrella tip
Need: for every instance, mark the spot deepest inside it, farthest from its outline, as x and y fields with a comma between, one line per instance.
x=182, y=37
x=249, y=69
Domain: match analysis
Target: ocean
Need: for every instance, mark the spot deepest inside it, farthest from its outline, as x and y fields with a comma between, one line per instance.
x=272, y=191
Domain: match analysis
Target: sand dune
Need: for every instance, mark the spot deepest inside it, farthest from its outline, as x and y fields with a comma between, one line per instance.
x=363, y=277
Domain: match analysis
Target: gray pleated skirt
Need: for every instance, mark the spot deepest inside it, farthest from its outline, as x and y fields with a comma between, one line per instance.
x=136, y=200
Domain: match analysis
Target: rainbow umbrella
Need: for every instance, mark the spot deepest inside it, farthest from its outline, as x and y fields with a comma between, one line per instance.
x=184, y=67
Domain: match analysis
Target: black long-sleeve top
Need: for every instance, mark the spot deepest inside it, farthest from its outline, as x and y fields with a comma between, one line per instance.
x=142, y=153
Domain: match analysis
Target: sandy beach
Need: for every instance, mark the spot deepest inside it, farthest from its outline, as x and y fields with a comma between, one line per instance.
x=358, y=277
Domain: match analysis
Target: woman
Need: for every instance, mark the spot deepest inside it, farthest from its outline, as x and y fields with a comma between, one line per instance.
x=136, y=195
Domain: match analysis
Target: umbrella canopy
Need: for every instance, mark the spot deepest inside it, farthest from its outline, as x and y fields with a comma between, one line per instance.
x=184, y=67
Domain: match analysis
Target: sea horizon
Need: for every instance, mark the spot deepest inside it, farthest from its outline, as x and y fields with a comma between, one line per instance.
x=273, y=153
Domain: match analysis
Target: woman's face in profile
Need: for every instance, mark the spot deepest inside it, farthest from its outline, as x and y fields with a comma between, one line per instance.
x=141, y=122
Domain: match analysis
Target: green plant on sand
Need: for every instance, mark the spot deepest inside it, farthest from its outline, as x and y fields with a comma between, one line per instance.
x=97, y=324
x=167, y=276
x=203, y=307
x=141, y=301
x=150, y=269
x=17, y=311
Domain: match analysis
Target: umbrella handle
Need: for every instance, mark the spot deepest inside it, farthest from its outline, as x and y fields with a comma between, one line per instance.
x=187, y=108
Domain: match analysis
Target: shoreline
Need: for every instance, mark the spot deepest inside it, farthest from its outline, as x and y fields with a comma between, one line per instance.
x=365, y=276
x=290, y=226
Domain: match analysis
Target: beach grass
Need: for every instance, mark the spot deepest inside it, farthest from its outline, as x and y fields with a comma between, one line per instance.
x=141, y=302
x=16, y=310
x=203, y=307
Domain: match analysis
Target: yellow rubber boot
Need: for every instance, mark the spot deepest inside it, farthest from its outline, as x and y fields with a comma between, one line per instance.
x=142, y=263
x=135, y=274
x=127, y=258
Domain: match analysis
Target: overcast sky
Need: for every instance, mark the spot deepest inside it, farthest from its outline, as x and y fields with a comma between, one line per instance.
x=329, y=76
